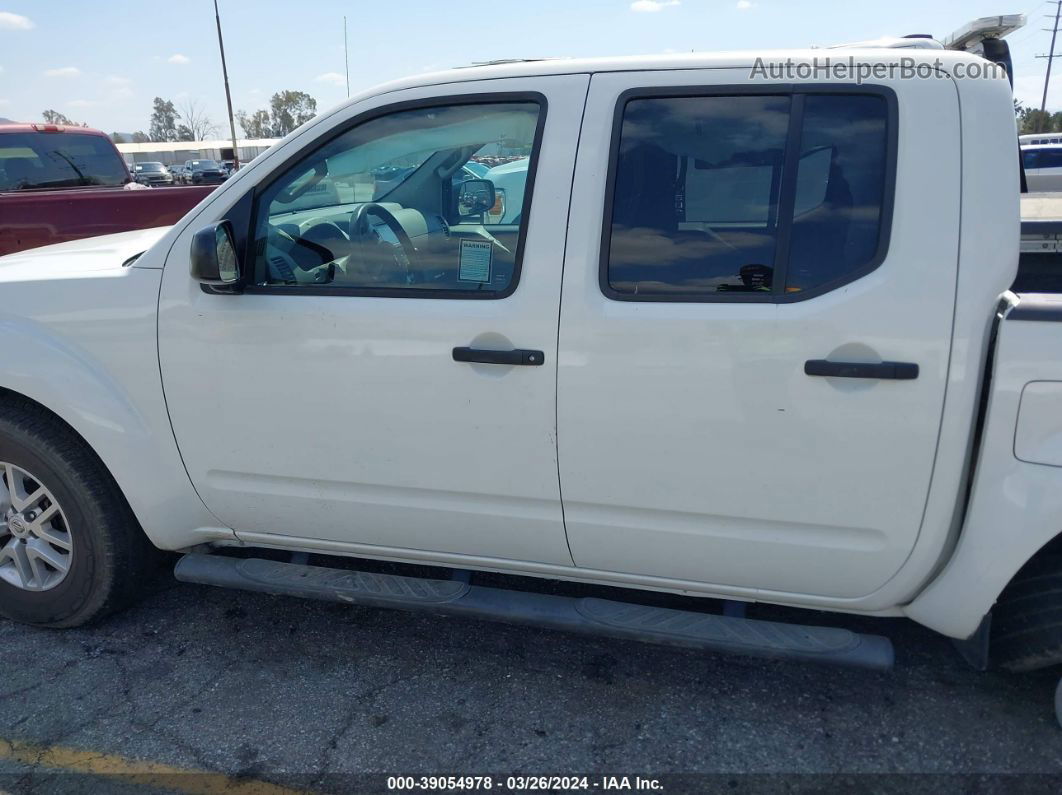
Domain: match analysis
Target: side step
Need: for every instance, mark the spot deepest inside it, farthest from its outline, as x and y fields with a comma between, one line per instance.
x=665, y=626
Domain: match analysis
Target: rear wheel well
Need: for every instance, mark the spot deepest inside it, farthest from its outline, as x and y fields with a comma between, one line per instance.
x=1026, y=628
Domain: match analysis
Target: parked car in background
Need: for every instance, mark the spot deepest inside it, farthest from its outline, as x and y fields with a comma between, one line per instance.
x=203, y=172
x=179, y=173
x=151, y=173
x=62, y=183
x=1043, y=167
x=509, y=179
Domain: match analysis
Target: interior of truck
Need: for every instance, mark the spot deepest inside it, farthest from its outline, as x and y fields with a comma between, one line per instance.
x=401, y=202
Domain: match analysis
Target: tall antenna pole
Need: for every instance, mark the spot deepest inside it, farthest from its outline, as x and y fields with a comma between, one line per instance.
x=1050, y=60
x=228, y=95
x=346, y=59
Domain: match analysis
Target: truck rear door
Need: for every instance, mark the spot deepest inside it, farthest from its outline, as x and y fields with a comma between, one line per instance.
x=755, y=328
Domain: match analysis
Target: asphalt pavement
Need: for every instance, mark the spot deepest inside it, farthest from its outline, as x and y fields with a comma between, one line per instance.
x=315, y=696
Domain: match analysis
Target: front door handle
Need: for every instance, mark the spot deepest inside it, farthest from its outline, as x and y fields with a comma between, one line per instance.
x=521, y=357
x=898, y=371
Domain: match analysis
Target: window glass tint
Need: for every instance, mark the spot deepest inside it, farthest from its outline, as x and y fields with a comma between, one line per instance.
x=840, y=188
x=58, y=160
x=425, y=199
x=1049, y=158
x=695, y=201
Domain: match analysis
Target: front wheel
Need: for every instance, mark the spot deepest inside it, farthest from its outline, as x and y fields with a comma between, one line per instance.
x=70, y=548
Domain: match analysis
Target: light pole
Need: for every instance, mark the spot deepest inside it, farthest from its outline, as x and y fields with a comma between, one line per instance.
x=1050, y=59
x=228, y=96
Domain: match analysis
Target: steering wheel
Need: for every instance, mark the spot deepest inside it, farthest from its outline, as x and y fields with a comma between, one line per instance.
x=364, y=241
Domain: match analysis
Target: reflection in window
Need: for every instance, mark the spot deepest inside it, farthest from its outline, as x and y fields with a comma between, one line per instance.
x=696, y=194
x=417, y=200
x=698, y=205
x=840, y=189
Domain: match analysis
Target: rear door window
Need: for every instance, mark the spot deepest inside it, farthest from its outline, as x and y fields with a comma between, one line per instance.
x=746, y=197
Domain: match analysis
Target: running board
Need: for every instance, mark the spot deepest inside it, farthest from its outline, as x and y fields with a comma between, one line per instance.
x=708, y=632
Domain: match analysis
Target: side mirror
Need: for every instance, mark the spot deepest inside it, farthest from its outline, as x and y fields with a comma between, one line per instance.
x=214, y=255
x=474, y=197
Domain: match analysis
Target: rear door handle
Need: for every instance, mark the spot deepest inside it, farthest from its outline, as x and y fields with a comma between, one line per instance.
x=520, y=357
x=897, y=371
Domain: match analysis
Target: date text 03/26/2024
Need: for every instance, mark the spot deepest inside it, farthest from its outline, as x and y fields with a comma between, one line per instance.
x=523, y=783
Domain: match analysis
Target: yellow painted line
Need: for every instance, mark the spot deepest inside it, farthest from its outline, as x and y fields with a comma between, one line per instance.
x=147, y=774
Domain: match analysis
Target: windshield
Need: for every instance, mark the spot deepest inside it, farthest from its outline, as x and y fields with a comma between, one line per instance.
x=149, y=166
x=58, y=160
x=199, y=165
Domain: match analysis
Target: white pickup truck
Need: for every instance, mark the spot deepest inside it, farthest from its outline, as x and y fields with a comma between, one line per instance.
x=751, y=338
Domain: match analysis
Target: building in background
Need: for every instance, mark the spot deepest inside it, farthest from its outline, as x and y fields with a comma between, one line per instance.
x=176, y=152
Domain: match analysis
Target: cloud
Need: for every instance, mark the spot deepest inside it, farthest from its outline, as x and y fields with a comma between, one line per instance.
x=80, y=103
x=745, y=5
x=9, y=21
x=335, y=78
x=118, y=87
x=652, y=6
x=63, y=71
x=177, y=58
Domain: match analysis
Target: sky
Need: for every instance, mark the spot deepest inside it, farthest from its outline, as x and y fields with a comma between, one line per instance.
x=103, y=61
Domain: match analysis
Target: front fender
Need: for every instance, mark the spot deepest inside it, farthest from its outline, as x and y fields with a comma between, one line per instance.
x=85, y=349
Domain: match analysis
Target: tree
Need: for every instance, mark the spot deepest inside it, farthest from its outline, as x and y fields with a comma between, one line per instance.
x=289, y=109
x=141, y=137
x=55, y=117
x=163, y=121
x=256, y=125
x=1032, y=120
x=197, y=125
x=118, y=138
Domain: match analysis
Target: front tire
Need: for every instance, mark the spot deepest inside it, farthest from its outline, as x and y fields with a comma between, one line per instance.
x=70, y=548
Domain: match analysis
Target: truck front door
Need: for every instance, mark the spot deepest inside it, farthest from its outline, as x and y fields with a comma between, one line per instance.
x=386, y=380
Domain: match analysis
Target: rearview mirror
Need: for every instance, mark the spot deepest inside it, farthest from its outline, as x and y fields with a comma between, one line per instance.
x=214, y=255
x=475, y=197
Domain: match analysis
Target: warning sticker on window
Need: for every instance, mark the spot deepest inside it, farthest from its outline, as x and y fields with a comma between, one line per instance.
x=475, y=261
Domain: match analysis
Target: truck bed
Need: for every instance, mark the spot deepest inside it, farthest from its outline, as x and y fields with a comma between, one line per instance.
x=40, y=218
